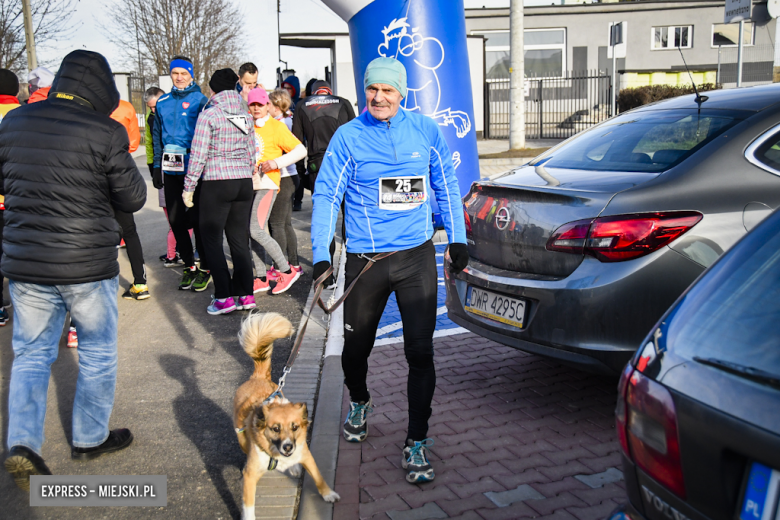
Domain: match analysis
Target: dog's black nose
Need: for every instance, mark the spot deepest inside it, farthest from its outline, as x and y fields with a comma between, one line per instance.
x=287, y=448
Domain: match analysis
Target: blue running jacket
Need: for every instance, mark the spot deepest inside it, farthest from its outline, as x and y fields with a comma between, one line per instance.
x=386, y=172
x=174, y=126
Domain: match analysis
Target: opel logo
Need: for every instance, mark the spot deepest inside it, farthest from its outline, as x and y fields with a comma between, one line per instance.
x=502, y=219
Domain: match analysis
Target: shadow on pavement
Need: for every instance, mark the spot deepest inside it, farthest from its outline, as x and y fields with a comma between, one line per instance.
x=206, y=425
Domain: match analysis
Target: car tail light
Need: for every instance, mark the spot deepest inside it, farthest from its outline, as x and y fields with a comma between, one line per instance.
x=622, y=237
x=650, y=428
x=570, y=238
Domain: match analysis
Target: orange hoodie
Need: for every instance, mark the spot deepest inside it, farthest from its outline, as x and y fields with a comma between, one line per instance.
x=125, y=114
x=39, y=95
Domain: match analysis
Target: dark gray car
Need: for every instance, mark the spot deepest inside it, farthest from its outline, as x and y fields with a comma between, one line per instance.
x=576, y=255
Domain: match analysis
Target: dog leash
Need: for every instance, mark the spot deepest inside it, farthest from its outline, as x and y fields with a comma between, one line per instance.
x=317, y=300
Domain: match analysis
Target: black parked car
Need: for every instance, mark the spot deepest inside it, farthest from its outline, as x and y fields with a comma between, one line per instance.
x=698, y=414
x=578, y=254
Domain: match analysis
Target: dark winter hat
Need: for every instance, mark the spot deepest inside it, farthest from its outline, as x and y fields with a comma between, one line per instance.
x=223, y=79
x=9, y=83
x=321, y=87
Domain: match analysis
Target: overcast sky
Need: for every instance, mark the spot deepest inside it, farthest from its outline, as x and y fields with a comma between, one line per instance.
x=296, y=16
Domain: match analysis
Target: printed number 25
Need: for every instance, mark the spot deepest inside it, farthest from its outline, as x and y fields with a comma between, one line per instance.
x=403, y=186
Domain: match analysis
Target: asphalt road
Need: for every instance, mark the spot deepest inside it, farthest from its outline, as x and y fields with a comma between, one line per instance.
x=178, y=370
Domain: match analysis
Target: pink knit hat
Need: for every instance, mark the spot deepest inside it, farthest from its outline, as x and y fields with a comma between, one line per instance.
x=258, y=95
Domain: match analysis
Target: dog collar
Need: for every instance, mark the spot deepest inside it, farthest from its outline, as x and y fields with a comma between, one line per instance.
x=272, y=463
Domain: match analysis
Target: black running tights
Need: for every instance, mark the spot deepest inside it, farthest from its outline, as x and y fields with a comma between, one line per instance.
x=133, y=245
x=229, y=204
x=411, y=274
x=183, y=219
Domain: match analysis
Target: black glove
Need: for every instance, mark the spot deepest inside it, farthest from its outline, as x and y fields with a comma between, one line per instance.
x=157, y=178
x=459, y=254
x=319, y=270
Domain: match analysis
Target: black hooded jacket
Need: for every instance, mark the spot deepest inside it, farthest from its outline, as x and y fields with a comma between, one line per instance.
x=64, y=168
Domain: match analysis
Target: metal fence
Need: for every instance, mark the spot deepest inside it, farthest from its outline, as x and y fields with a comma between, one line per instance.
x=137, y=87
x=757, y=65
x=555, y=108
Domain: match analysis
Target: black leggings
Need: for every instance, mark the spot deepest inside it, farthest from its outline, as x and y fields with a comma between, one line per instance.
x=226, y=206
x=280, y=222
x=182, y=219
x=411, y=274
x=133, y=245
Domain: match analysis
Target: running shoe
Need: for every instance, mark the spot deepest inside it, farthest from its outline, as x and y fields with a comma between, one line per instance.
x=4, y=317
x=163, y=257
x=415, y=461
x=297, y=206
x=202, y=281
x=73, y=339
x=172, y=262
x=261, y=286
x=272, y=274
x=356, y=425
x=188, y=278
x=246, y=303
x=285, y=281
x=122, y=244
x=137, y=292
x=296, y=268
x=221, y=306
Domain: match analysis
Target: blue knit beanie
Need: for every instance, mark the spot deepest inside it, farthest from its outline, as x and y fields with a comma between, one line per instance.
x=388, y=71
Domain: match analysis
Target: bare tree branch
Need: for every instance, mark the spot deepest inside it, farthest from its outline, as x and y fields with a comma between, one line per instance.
x=50, y=24
x=210, y=32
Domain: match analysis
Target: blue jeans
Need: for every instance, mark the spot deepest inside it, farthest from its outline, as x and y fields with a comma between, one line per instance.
x=39, y=317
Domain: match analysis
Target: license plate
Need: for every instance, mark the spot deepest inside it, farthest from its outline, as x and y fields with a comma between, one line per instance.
x=498, y=307
x=761, y=494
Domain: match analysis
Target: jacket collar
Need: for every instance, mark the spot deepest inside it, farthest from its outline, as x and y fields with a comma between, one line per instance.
x=183, y=92
x=397, y=119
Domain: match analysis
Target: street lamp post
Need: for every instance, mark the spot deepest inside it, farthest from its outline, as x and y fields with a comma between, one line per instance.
x=29, y=35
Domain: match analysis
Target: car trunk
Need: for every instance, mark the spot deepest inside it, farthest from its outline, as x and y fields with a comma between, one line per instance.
x=510, y=220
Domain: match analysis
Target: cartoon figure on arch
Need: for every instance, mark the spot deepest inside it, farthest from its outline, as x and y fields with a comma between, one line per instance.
x=425, y=54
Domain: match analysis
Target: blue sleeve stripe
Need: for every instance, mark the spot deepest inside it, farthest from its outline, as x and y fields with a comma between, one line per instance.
x=447, y=189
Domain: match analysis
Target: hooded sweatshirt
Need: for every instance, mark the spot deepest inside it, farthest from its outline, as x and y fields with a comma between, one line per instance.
x=295, y=83
x=39, y=95
x=223, y=146
x=61, y=191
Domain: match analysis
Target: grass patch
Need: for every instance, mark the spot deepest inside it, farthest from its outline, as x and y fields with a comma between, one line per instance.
x=514, y=154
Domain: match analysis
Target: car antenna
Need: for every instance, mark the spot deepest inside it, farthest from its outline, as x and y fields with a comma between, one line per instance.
x=699, y=98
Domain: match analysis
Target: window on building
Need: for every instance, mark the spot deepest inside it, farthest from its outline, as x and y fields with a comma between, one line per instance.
x=672, y=37
x=727, y=34
x=545, y=53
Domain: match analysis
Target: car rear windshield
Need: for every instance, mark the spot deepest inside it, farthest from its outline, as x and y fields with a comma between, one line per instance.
x=733, y=314
x=649, y=141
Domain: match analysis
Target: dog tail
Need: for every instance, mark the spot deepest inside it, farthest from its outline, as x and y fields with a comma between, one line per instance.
x=258, y=332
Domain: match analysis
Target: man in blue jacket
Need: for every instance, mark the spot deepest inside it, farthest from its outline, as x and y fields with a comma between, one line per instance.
x=172, y=134
x=387, y=164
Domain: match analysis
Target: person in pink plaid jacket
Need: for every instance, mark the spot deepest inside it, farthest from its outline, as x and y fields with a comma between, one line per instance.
x=222, y=158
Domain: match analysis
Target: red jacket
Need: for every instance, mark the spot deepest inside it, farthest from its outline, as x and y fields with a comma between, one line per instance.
x=39, y=95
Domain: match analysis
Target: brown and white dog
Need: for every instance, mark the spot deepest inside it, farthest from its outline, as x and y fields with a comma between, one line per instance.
x=273, y=435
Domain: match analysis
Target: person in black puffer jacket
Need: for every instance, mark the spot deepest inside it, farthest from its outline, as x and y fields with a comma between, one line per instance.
x=64, y=170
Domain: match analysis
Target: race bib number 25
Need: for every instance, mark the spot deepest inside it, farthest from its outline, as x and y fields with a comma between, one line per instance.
x=402, y=193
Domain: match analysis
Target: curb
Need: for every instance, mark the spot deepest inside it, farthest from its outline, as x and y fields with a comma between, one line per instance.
x=327, y=426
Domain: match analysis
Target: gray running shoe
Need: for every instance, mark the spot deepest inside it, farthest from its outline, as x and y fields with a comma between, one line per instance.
x=356, y=426
x=415, y=461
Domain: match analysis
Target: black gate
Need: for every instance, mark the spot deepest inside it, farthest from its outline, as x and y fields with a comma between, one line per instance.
x=137, y=87
x=555, y=108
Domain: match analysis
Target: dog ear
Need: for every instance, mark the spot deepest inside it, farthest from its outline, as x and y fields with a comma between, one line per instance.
x=304, y=414
x=260, y=418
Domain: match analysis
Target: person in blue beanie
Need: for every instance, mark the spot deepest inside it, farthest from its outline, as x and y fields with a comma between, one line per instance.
x=177, y=113
x=386, y=164
x=293, y=87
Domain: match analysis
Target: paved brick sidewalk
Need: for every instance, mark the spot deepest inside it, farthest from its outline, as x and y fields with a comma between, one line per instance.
x=516, y=436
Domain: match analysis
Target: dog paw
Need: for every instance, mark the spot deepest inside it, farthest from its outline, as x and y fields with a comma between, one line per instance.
x=248, y=513
x=331, y=497
x=295, y=471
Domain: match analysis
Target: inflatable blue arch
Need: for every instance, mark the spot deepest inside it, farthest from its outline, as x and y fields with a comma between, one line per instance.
x=429, y=38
